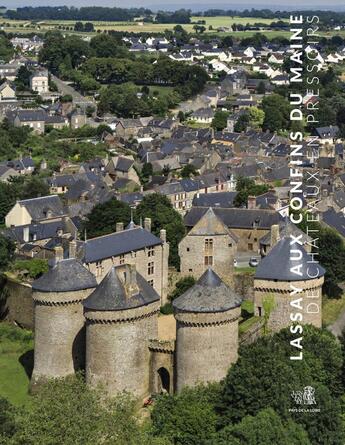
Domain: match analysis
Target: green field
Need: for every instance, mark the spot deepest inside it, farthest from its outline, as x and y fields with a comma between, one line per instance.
x=16, y=360
x=331, y=310
x=27, y=26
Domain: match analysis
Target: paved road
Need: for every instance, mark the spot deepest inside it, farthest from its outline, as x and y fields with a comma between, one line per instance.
x=243, y=258
x=64, y=88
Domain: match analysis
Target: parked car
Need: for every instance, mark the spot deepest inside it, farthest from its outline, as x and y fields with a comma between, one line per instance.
x=253, y=262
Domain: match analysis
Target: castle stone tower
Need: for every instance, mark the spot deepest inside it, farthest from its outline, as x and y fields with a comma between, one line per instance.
x=59, y=319
x=121, y=318
x=287, y=268
x=207, y=331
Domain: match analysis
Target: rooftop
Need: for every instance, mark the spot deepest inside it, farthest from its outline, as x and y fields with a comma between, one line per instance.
x=209, y=294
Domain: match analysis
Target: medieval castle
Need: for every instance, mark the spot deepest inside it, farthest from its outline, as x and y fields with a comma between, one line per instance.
x=107, y=321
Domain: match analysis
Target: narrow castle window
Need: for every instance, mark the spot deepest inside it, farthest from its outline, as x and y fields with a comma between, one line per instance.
x=151, y=268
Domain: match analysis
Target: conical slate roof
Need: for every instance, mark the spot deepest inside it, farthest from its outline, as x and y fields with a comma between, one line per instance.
x=66, y=276
x=209, y=294
x=111, y=294
x=278, y=265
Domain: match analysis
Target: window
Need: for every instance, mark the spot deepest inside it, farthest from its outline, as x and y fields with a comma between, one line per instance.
x=208, y=245
x=151, y=282
x=208, y=260
x=151, y=268
x=190, y=270
x=122, y=259
x=230, y=244
x=151, y=252
x=187, y=249
x=99, y=268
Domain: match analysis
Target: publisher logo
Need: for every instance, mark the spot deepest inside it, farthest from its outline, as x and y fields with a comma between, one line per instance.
x=304, y=397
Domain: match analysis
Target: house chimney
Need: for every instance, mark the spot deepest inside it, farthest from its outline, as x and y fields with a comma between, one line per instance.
x=119, y=227
x=26, y=234
x=274, y=235
x=251, y=202
x=58, y=253
x=147, y=224
x=163, y=235
x=131, y=280
x=73, y=248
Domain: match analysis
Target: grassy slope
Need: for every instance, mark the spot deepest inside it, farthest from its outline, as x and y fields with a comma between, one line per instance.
x=13, y=377
x=331, y=310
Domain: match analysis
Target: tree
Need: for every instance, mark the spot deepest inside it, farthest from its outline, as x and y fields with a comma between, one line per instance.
x=7, y=249
x=246, y=187
x=277, y=113
x=242, y=123
x=147, y=171
x=88, y=27
x=220, y=120
x=23, y=78
x=163, y=216
x=79, y=27
x=189, y=170
x=261, y=88
x=182, y=286
x=321, y=368
x=187, y=418
x=68, y=412
x=263, y=429
x=34, y=187
x=103, y=218
x=256, y=118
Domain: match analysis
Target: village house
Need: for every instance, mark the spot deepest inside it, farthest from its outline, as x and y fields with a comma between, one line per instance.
x=249, y=226
x=203, y=116
x=7, y=92
x=210, y=243
x=39, y=82
x=132, y=245
x=36, y=119
x=42, y=209
x=122, y=167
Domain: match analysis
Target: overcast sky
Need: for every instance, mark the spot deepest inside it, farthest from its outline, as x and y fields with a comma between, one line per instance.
x=193, y=4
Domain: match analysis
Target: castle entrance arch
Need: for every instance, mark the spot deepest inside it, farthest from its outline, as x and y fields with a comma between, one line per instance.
x=164, y=380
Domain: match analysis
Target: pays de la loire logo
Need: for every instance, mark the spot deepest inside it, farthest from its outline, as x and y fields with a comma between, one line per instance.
x=305, y=396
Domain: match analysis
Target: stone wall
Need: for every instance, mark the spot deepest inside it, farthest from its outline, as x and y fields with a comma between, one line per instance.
x=206, y=346
x=252, y=334
x=244, y=285
x=16, y=304
x=192, y=252
x=59, y=334
x=311, y=295
x=117, y=349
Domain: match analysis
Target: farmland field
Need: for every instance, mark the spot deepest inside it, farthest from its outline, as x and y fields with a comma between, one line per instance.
x=27, y=26
x=43, y=26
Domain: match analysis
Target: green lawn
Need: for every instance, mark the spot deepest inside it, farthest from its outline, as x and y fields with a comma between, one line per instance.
x=15, y=359
x=247, y=269
x=247, y=324
x=331, y=309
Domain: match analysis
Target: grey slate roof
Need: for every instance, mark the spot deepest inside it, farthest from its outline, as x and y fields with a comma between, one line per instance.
x=209, y=294
x=38, y=207
x=221, y=199
x=236, y=218
x=278, y=265
x=66, y=276
x=118, y=243
x=335, y=220
x=111, y=294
